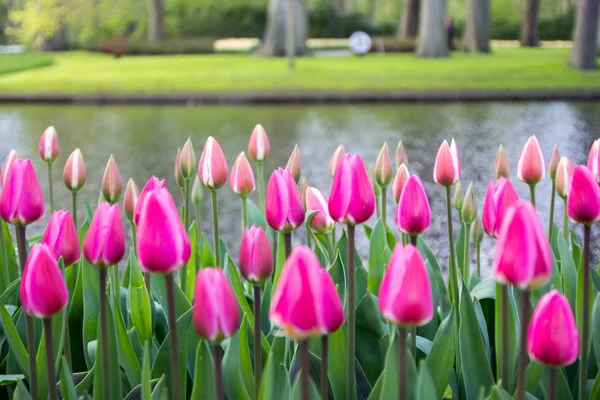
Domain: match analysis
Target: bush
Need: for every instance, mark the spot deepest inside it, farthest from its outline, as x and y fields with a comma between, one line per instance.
x=393, y=44
x=167, y=46
x=557, y=28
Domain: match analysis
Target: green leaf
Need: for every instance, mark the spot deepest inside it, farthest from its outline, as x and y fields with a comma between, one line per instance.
x=160, y=392
x=512, y=337
x=114, y=389
x=204, y=376
x=338, y=274
x=14, y=341
x=238, y=377
x=84, y=385
x=337, y=370
x=146, y=387
x=441, y=357
x=390, y=374
x=159, y=290
x=67, y=388
x=279, y=258
x=5, y=298
x=425, y=385
x=595, y=394
x=41, y=363
x=296, y=392
x=371, y=349
x=255, y=216
x=486, y=289
x=596, y=329
x=499, y=394
x=191, y=264
x=435, y=272
x=21, y=392
x=379, y=256
x=579, y=305
x=11, y=258
x=207, y=256
x=275, y=384
x=91, y=304
x=10, y=379
x=127, y=357
x=89, y=214
x=568, y=271
x=139, y=301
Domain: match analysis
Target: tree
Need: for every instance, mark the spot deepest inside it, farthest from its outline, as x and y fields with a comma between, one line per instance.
x=583, y=55
x=277, y=28
x=478, y=31
x=155, y=19
x=529, y=26
x=432, y=41
x=409, y=21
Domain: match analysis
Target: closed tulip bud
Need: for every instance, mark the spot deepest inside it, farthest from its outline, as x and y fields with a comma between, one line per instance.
x=303, y=189
x=159, y=215
x=413, y=215
x=130, y=199
x=446, y=170
x=543, y=265
x=61, y=237
x=499, y=198
x=321, y=222
x=43, y=291
x=242, y=177
x=112, y=185
x=583, y=201
x=256, y=256
x=259, y=147
x=401, y=157
x=477, y=232
x=351, y=199
x=383, y=167
x=402, y=176
x=469, y=209
x=74, y=173
x=459, y=197
x=177, y=171
x=305, y=303
x=216, y=313
x=564, y=174
x=334, y=162
x=48, y=147
x=104, y=243
x=405, y=293
x=284, y=208
x=294, y=164
x=212, y=169
x=554, y=163
x=187, y=160
x=592, y=162
x=501, y=167
x=21, y=199
x=531, y=167
x=552, y=338
x=196, y=195
x=153, y=184
x=10, y=158
x=376, y=188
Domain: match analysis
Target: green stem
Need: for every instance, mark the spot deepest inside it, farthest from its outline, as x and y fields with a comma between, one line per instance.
x=384, y=206
x=289, y=348
x=74, y=207
x=413, y=239
x=257, y=345
x=218, y=359
x=304, y=370
x=50, y=358
x=565, y=221
x=532, y=194
x=261, y=184
x=521, y=373
x=67, y=341
x=454, y=277
x=324, y=367
x=330, y=247
x=183, y=274
x=467, y=254
x=244, y=213
x=504, y=327
x=401, y=363
x=103, y=328
x=50, y=191
x=404, y=239
x=478, y=250
x=551, y=219
x=585, y=326
x=215, y=222
x=309, y=238
x=552, y=382
x=198, y=220
x=5, y=276
x=350, y=375
x=413, y=342
x=172, y=317
x=377, y=207
x=287, y=241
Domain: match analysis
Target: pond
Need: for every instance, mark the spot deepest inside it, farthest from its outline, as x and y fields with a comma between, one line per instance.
x=144, y=141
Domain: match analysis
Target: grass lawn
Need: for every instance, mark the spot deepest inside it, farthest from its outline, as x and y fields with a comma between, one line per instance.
x=10, y=63
x=504, y=69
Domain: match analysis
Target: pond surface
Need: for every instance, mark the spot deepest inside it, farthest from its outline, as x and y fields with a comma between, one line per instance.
x=144, y=140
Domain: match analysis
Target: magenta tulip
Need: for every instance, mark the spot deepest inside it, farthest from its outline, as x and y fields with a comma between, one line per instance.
x=256, y=256
x=61, y=237
x=74, y=173
x=242, y=177
x=413, y=215
x=259, y=147
x=446, y=170
x=402, y=176
x=284, y=208
x=10, y=158
x=333, y=309
x=112, y=185
x=48, y=147
x=564, y=174
x=212, y=169
x=104, y=243
x=531, y=167
x=499, y=198
x=21, y=200
x=153, y=184
x=321, y=222
x=542, y=271
x=336, y=158
x=583, y=201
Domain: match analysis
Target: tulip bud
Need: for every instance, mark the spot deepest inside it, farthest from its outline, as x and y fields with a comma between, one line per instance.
x=21, y=199
x=61, y=237
x=43, y=291
x=196, y=195
x=104, y=243
x=583, y=201
x=212, y=169
x=177, y=170
x=469, y=209
x=592, y=162
x=216, y=313
x=499, y=198
x=334, y=162
x=564, y=174
x=132, y=194
x=259, y=147
x=158, y=214
x=383, y=167
x=446, y=170
x=531, y=166
x=351, y=199
x=303, y=189
x=321, y=222
x=554, y=163
x=153, y=184
x=293, y=164
x=112, y=185
x=459, y=197
x=285, y=211
x=187, y=160
x=48, y=147
x=402, y=176
x=242, y=177
x=10, y=158
x=74, y=173
x=501, y=167
x=413, y=215
x=405, y=293
x=256, y=256
x=333, y=309
x=543, y=265
x=552, y=338
x=401, y=157
x=477, y=232
x=372, y=178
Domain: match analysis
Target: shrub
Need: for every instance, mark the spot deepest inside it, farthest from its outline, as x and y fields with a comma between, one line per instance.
x=167, y=46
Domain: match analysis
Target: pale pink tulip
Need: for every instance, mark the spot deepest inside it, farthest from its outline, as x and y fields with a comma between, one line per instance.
x=446, y=170
x=501, y=167
x=294, y=164
x=531, y=167
x=402, y=176
x=564, y=174
x=74, y=173
x=48, y=147
x=383, y=167
x=401, y=157
x=259, y=147
x=112, y=185
x=130, y=199
x=187, y=160
x=242, y=177
x=212, y=169
x=321, y=222
x=552, y=167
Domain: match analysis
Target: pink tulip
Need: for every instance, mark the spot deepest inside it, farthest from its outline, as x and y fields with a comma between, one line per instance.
x=48, y=147
x=163, y=245
x=405, y=293
x=305, y=303
x=212, y=169
x=321, y=222
x=553, y=166
x=112, y=185
x=130, y=199
x=564, y=174
x=152, y=184
x=104, y=243
x=413, y=215
x=61, y=237
x=401, y=157
x=402, y=176
x=21, y=200
x=583, y=201
x=383, y=167
x=501, y=167
x=216, y=313
x=285, y=211
x=259, y=147
x=294, y=164
x=336, y=158
x=592, y=162
x=74, y=173
x=43, y=291
x=256, y=256
x=187, y=160
x=352, y=199
x=242, y=177
x=499, y=198
x=10, y=158
x=446, y=170
x=303, y=189
x=531, y=166
x=542, y=271
x=179, y=178
x=552, y=338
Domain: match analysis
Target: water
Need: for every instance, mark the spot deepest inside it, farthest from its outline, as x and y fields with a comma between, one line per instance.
x=144, y=141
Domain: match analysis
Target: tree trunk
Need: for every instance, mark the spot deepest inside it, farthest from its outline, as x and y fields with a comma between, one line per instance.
x=529, y=26
x=478, y=32
x=276, y=35
x=155, y=20
x=432, y=40
x=409, y=21
x=583, y=55
x=58, y=41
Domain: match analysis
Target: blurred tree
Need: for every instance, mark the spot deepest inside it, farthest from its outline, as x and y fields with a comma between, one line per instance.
x=478, y=30
x=409, y=20
x=529, y=26
x=155, y=19
x=277, y=28
x=432, y=41
x=583, y=54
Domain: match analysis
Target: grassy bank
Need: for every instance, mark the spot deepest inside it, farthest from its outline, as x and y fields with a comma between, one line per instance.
x=505, y=69
x=10, y=63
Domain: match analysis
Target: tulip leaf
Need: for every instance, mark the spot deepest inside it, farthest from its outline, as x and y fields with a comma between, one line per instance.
x=297, y=394
x=579, y=306
x=58, y=327
x=21, y=392
x=127, y=357
x=114, y=389
x=499, y=394
x=441, y=356
x=389, y=389
x=207, y=255
x=568, y=271
x=160, y=392
x=12, y=269
x=67, y=388
x=139, y=301
x=255, y=216
x=204, y=375
x=279, y=257
x=337, y=370
x=577, y=249
x=190, y=269
x=84, y=385
x=370, y=333
x=91, y=304
x=486, y=289
x=425, y=386
x=275, y=384
x=238, y=377
x=595, y=394
x=437, y=280
x=379, y=256
x=5, y=298
x=146, y=387
x=596, y=329
x=10, y=379
x=338, y=275
x=15, y=344
x=159, y=290
x=512, y=337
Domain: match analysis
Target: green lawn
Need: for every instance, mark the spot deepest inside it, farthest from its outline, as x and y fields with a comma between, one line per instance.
x=10, y=63
x=505, y=69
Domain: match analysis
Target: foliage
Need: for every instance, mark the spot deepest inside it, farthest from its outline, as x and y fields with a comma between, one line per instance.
x=165, y=47
x=20, y=62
